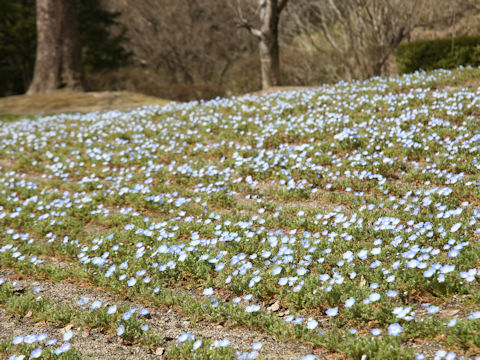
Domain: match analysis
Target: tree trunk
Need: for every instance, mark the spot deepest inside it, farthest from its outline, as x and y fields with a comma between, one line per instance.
x=71, y=70
x=270, y=62
x=268, y=45
x=46, y=75
x=58, y=56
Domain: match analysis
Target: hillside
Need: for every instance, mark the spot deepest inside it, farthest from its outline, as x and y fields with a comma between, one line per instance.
x=70, y=101
x=338, y=222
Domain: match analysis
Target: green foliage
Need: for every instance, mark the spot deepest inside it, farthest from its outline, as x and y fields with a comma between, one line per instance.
x=445, y=53
x=17, y=45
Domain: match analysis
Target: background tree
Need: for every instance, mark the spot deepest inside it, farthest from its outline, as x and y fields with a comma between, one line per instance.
x=101, y=38
x=189, y=49
x=58, y=57
x=267, y=34
x=17, y=45
x=360, y=34
x=185, y=41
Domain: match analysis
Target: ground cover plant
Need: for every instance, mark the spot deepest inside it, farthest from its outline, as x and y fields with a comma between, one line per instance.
x=338, y=222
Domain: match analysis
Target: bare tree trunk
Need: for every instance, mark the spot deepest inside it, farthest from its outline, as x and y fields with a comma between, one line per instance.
x=268, y=45
x=71, y=70
x=46, y=76
x=58, y=57
x=267, y=34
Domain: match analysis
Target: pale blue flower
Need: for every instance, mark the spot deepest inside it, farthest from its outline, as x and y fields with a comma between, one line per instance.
x=197, y=344
x=332, y=311
x=312, y=324
x=68, y=335
x=97, y=304
x=252, y=308
x=257, y=346
x=349, y=302
x=208, y=292
x=35, y=354
x=186, y=337
x=120, y=330
x=474, y=316
x=17, y=340
x=394, y=329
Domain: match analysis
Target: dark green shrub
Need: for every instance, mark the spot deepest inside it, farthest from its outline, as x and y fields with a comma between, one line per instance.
x=445, y=53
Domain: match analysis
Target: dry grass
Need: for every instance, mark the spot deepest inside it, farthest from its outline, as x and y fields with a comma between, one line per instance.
x=69, y=101
x=282, y=88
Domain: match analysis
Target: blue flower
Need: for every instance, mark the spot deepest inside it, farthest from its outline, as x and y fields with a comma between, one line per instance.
x=394, y=329
x=186, y=337
x=312, y=324
x=68, y=335
x=252, y=308
x=120, y=330
x=332, y=311
x=197, y=344
x=35, y=354
x=208, y=292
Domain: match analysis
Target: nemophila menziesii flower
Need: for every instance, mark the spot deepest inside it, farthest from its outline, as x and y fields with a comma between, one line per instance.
x=97, y=304
x=63, y=348
x=68, y=335
x=394, y=329
x=83, y=301
x=35, y=354
x=186, y=337
x=257, y=346
x=433, y=309
x=30, y=339
x=120, y=330
x=252, y=308
x=312, y=324
x=51, y=342
x=474, y=316
x=17, y=340
x=349, y=302
x=208, y=292
x=332, y=311
x=197, y=344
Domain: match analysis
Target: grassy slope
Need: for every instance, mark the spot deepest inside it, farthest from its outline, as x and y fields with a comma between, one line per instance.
x=215, y=136
x=16, y=106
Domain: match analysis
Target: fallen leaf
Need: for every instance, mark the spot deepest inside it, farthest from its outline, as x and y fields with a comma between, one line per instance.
x=448, y=312
x=159, y=351
x=28, y=314
x=275, y=306
x=66, y=328
x=320, y=350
